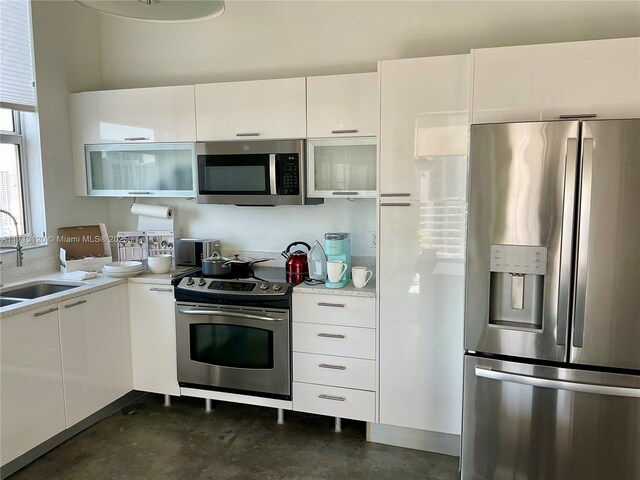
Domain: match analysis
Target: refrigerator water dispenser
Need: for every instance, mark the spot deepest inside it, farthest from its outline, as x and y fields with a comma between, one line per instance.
x=517, y=286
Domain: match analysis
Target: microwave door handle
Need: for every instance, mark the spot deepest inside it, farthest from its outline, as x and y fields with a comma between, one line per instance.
x=218, y=313
x=272, y=174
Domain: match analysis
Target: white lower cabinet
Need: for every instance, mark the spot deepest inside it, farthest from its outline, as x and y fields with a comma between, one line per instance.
x=334, y=356
x=153, y=338
x=31, y=399
x=93, y=356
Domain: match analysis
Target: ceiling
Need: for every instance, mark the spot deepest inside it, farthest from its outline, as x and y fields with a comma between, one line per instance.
x=266, y=39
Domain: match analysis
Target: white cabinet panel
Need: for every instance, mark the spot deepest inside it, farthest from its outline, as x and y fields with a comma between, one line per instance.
x=336, y=371
x=343, y=105
x=423, y=115
x=421, y=289
x=153, y=338
x=31, y=398
x=542, y=82
x=334, y=310
x=334, y=340
x=261, y=109
x=92, y=352
x=335, y=402
x=162, y=114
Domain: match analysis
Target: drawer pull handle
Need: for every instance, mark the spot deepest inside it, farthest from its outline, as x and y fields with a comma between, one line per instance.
x=135, y=139
x=155, y=289
x=330, y=335
x=353, y=130
x=79, y=302
x=344, y=193
x=331, y=397
x=139, y=193
x=333, y=367
x=335, y=305
x=44, y=312
x=395, y=204
x=248, y=134
x=395, y=194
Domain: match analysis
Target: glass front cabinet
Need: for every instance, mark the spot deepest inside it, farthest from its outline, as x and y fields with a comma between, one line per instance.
x=342, y=167
x=139, y=170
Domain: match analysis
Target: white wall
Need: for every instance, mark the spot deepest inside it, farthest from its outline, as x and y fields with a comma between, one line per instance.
x=67, y=58
x=266, y=229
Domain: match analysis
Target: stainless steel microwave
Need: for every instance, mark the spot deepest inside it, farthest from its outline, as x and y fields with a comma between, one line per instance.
x=260, y=173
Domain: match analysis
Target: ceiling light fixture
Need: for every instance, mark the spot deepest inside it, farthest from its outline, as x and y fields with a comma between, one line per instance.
x=163, y=11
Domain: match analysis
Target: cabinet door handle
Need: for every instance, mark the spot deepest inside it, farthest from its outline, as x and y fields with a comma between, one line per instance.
x=155, y=289
x=44, y=312
x=248, y=134
x=344, y=193
x=332, y=367
x=572, y=116
x=75, y=304
x=133, y=139
x=330, y=335
x=335, y=305
x=139, y=193
x=345, y=131
x=331, y=397
x=395, y=204
x=395, y=194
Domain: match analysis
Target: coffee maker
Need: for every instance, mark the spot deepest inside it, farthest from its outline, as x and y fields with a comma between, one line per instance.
x=338, y=249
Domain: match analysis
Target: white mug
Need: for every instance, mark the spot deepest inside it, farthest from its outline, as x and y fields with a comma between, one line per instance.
x=336, y=270
x=360, y=276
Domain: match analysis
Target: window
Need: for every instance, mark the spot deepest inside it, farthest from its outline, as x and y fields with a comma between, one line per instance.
x=21, y=192
x=12, y=168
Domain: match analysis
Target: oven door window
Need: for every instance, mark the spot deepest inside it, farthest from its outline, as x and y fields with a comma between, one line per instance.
x=231, y=346
x=234, y=174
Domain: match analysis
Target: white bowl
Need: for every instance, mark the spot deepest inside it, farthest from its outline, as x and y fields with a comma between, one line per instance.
x=160, y=263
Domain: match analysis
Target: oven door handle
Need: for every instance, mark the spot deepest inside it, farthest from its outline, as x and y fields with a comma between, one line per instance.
x=218, y=313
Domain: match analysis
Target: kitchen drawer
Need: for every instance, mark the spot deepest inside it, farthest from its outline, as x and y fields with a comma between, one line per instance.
x=336, y=371
x=335, y=402
x=334, y=340
x=334, y=310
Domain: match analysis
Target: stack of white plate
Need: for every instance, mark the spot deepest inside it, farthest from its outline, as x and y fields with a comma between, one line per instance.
x=123, y=269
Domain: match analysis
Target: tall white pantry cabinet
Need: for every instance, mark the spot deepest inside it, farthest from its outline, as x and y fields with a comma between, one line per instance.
x=423, y=161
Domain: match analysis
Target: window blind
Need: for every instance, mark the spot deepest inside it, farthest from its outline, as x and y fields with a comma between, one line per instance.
x=17, y=90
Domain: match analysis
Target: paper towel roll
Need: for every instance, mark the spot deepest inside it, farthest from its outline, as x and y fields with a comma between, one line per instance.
x=155, y=211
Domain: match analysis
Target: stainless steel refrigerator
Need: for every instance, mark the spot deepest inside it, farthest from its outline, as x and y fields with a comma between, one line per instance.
x=552, y=307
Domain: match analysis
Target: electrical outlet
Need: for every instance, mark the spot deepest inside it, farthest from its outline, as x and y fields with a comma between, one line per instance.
x=180, y=231
x=373, y=239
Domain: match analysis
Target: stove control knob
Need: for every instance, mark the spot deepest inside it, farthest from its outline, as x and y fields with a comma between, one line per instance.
x=264, y=286
x=276, y=287
x=190, y=281
x=201, y=282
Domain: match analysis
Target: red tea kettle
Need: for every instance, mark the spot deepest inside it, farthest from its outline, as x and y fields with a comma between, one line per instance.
x=297, y=266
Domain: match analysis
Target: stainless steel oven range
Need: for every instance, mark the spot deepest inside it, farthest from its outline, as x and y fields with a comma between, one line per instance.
x=234, y=334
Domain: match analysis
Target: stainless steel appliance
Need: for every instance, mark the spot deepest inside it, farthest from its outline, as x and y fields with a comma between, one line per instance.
x=254, y=173
x=191, y=251
x=234, y=334
x=552, y=313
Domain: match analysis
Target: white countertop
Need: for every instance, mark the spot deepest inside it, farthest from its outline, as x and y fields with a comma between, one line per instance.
x=87, y=286
x=348, y=290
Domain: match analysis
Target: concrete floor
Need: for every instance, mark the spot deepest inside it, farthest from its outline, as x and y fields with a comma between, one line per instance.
x=233, y=442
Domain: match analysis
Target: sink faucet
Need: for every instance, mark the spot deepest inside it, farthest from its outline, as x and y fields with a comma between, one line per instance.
x=17, y=247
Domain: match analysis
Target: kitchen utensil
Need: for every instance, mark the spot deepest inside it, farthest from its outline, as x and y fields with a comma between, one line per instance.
x=335, y=271
x=297, y=266
x=360, y=276
x=216, y=265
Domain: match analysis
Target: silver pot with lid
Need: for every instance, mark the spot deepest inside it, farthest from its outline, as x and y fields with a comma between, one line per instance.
x=216, y=265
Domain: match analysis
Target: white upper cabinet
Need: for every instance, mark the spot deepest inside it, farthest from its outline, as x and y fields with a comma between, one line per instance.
x=343, y=106
x=260, y=109
x=424, y=106
x=542, y=82
x=139, y=115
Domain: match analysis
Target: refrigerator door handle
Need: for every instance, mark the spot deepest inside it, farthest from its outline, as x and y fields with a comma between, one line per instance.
x=583, y=245
x=488, y=372
x=566, y=244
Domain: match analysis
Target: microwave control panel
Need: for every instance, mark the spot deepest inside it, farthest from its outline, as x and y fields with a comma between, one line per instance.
x=288, y=171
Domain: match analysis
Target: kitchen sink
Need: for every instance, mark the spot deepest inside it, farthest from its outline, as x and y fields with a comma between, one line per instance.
x=36, y=289
x=5, y=302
